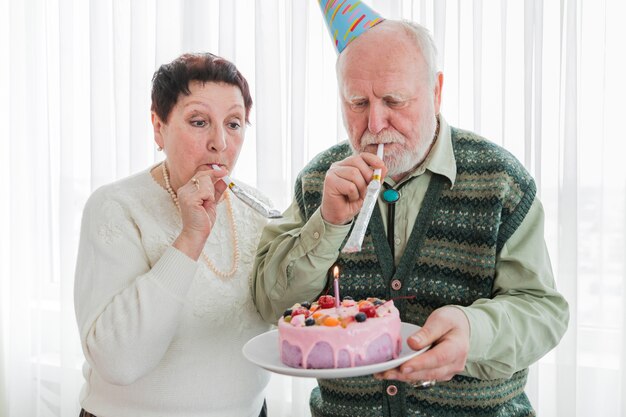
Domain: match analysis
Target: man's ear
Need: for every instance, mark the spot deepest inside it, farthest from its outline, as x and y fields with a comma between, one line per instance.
x=437, y=91
x=157, y=127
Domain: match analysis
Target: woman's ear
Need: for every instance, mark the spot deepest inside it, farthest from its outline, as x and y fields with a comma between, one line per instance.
x=157, y=127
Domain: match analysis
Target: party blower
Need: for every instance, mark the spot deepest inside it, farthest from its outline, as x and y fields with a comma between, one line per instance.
x=360, y=226
x=248, y=198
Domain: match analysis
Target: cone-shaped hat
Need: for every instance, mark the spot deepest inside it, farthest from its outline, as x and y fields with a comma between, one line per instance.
x=347, y=19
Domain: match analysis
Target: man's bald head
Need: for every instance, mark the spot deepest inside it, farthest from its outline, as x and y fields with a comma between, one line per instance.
x=389, y=36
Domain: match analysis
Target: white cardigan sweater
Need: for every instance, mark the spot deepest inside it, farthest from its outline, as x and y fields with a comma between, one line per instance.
x=161, y=333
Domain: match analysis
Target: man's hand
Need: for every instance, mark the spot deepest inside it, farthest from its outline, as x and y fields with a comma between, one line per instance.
x=447, y=330
x=345, y=186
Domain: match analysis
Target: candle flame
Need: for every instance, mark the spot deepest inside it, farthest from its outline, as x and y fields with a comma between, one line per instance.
x=336, y=272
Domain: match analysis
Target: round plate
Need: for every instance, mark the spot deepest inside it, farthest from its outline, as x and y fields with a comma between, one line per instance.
x=262, y=350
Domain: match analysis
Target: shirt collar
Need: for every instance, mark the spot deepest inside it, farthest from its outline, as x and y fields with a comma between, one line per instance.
x=440, y=159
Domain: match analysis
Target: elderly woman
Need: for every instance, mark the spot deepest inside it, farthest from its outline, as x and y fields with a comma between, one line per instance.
x=162, y=291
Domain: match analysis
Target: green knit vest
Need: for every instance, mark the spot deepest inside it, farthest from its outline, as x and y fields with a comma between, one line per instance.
x=449, y=259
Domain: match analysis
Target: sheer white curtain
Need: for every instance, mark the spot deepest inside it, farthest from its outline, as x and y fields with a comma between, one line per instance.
x=544, y=78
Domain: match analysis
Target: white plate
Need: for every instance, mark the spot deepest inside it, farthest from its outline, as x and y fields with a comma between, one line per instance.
x=262, y=350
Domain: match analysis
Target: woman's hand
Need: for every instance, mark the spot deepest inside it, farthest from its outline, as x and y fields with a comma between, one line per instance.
x=198, y=200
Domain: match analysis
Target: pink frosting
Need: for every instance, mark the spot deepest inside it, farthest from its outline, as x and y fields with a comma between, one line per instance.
x=382, y=332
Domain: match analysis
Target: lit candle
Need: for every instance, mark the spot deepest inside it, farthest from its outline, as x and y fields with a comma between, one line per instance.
x=336, y=284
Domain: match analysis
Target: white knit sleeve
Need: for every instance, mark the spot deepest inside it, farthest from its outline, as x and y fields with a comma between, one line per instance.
x=127, y=311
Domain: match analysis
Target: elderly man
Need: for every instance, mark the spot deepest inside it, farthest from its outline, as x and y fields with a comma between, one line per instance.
x=457, y=242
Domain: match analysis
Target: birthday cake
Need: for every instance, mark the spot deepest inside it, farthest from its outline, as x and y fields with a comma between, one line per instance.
x=320, y=335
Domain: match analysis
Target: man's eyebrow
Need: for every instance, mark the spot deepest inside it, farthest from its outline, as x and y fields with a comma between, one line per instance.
x=355, y=98
x=393, y=96
x=396, y=96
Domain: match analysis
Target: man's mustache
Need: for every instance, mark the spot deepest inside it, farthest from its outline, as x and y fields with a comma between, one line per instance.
x=385, y=137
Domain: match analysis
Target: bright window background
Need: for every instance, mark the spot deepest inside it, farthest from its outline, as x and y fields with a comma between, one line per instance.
x=543, y=78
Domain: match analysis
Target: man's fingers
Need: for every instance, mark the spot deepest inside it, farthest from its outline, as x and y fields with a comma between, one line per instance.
x=345, y=187
x=373, y=162
x=347, y=181
x=424, y=363
x=433, y=358
x=366, y=163
x=444, y=373
x=440, y=363
x=347, y=190
x=432, y=331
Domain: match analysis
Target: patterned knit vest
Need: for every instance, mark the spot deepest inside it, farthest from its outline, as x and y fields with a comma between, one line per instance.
x=449, y=259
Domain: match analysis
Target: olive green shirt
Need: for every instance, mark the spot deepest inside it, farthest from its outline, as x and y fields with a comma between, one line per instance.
x=294, y=257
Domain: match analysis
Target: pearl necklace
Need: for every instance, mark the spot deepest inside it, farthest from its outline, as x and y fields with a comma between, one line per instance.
x=233, y=229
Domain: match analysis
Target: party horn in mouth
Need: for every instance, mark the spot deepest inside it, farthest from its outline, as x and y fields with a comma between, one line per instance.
x=248, y=198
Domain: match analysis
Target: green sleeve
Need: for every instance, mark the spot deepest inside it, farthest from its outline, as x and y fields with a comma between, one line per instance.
x=526, y=317
x=292, y=260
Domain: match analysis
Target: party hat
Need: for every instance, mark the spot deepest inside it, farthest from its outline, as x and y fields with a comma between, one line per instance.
x=347, y=19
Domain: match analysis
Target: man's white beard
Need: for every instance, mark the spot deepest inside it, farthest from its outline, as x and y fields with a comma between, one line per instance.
x=403, y=160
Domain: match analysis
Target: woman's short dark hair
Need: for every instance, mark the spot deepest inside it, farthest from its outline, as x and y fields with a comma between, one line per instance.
x=173, y=79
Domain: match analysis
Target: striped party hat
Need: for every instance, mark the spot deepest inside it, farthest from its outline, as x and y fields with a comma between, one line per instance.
x=347, y=19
